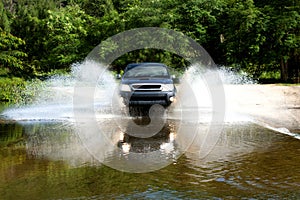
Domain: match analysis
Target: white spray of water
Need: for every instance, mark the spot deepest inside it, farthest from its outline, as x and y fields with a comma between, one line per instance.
x=55, y=98
x=55, y=102
x=245, y=100
x=229, y=76
x=197, y=79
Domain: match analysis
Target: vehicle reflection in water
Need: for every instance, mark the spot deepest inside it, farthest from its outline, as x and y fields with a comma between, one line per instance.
x=62, y=142
x=114, y=146
x=163, y=141
x=120, y=150
x=49, y=161
x=141, y=154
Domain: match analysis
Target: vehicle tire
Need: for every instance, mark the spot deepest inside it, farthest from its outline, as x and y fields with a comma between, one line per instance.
x=138, y=111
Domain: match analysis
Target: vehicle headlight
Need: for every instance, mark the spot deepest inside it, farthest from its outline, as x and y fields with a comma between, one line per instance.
x=167, y=87
x=125, y=88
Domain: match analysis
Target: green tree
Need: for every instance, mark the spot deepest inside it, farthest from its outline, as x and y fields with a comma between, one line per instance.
x=243, y=28
x=11, y=59
x=262, y=36
x=195, y=17
x=283, y=36
x=59, y=34
x=65, y=41
x=146, y=13
x=97, y=8
x=4, y=22
x=256, y=36
x=27, y=24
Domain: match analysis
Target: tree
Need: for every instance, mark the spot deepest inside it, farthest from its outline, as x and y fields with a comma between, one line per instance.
x=65, y=41
x=4, y=22
x=59, y=34
x=145, y=13
x=97, y=8
x=255, y=36
x=263, y=36
x=27, y=24
x=283, y=36
x=243, y=29
x=11, y=58
x=195, y=17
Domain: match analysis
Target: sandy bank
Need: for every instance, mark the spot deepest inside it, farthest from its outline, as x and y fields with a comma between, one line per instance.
x=276, y=105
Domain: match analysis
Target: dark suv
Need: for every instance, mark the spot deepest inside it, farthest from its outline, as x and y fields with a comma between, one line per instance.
x=146, y=84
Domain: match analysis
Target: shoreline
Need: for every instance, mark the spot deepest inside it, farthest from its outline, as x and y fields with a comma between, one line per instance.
x=272, y=104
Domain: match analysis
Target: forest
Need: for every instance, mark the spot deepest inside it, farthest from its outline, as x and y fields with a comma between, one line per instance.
x=40, y=38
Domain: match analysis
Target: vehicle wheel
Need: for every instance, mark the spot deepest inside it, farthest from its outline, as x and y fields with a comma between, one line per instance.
x=133, y=111
x=138, y=111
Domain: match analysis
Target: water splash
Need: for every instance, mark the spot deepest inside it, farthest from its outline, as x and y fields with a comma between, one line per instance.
x=230, y=76
x=281, y=130
x=202, y=81
x=54, y=100
x=55, y=103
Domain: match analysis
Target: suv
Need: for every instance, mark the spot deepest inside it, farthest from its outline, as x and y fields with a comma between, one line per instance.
x=146, y=84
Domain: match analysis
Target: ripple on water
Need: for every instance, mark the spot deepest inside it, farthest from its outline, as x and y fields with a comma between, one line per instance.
x=250, y=161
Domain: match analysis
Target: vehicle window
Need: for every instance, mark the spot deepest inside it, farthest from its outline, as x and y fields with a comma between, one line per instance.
x=147, y=71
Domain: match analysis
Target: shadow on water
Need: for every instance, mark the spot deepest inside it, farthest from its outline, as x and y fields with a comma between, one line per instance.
x=48, y=160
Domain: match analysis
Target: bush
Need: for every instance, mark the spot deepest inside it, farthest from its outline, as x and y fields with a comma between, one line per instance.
x=11, y=89
x=16, y=90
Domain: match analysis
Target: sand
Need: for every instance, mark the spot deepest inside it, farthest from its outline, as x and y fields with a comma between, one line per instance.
x=274, y=105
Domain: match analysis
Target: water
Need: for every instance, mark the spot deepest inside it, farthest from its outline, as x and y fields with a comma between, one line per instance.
x=47, y=161
x=48, y=152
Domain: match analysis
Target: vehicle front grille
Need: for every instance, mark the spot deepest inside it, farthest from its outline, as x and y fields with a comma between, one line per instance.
x=146, y=87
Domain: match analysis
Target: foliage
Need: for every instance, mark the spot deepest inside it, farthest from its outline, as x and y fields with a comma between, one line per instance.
x=151, y=55
x=10, y=57
x=244, y=35
x=19, y=91
x=261, y=36
x=255, y=36
x=66, y=29
x=195, y=17
x=27, y=24
x=4, y=22
x=283, y=43
x=11, y=89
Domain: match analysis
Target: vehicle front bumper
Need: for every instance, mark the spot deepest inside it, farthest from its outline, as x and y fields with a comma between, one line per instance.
x=139, y=98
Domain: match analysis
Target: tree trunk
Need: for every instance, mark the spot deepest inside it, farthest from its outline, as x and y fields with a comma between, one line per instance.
x=284, y=70
x=294, y=69
x=290, y=70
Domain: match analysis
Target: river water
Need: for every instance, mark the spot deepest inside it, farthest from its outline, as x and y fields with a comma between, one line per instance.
x=47, y=160
x=45, y=154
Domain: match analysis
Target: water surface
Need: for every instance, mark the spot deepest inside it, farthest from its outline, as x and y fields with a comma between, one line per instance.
x=46, y=160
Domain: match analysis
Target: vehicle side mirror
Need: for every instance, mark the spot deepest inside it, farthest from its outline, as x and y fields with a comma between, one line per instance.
x=118, y=76
x=175, y=79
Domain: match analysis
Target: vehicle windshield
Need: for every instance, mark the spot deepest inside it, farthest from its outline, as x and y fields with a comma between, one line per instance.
x=147, y=71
